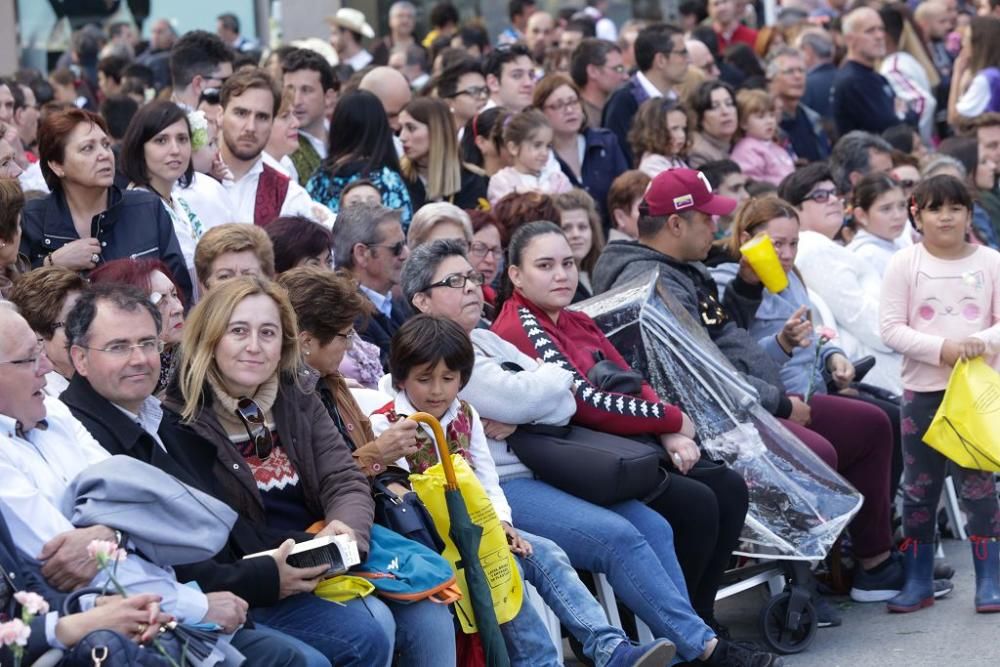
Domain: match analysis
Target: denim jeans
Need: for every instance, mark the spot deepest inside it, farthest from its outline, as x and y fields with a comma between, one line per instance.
x=310, y=656
x=425, y=633
x=548, y=569
x=630, y=543
x=350, y=634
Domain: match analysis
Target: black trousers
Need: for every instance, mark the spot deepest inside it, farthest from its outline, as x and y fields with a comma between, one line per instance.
x=706, y=509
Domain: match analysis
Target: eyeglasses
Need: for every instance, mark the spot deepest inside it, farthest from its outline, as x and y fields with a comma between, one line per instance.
x=34, y=361
x=907, y=184
x=148, y=346
x=682, y=52
x=480, y=250
x=396, y=248
x=351, y=336
x=792, y=70
x=256, y=425
x=618, y=69
x=564, y=105
x=458, y=280
x=821, y=196
x=473, y=91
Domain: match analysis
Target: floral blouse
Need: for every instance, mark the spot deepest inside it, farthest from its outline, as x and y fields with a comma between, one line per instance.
x=325, y=188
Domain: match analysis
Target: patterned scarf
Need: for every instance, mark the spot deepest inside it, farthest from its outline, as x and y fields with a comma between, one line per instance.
x=458, y=433
x=620, y=404
x=305, y=160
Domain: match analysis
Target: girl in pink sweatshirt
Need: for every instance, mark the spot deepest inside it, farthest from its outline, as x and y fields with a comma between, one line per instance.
x=758, y=154
x=940, y=304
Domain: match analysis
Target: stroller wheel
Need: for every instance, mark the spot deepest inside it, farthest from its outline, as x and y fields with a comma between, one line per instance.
x=788, y=621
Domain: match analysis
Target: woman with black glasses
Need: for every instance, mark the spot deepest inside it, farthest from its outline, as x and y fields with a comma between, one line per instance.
x=590, y=158
x=283, y=464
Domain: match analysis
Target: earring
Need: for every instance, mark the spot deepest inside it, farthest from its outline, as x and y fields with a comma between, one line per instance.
x=307, y=352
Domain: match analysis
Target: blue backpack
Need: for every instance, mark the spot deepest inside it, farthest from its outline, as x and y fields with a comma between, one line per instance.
x=406, y=571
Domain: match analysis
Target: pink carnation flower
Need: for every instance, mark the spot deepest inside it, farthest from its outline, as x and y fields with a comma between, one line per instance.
x=34, y=603
x=826, y=334
x=105, y=551
x=14, y=633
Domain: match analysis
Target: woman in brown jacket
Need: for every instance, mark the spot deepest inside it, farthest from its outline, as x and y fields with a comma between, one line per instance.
x=280, y=459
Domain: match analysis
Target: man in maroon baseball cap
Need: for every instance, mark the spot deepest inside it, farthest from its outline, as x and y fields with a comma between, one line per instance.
x=678, y=190
x=676, y=230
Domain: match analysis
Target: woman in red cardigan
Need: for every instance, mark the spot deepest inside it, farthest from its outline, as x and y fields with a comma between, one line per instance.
x=705, y=502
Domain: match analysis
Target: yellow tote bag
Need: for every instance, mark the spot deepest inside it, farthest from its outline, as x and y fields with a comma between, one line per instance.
x=966, y=427
x=494, y=553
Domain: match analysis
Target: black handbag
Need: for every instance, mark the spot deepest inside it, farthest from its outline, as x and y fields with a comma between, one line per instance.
x=606, y=375
x=406, y=515
x=598, y=467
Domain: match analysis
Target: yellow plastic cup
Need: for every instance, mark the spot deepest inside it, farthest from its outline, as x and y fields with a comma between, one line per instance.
x=764, y=261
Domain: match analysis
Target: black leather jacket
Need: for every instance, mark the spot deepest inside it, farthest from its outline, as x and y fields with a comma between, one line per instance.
x=135, y=224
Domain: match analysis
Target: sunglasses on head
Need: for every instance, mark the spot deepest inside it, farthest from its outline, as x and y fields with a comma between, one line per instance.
x=253, y=419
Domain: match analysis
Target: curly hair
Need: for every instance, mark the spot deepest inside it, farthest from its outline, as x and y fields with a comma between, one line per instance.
x=650, y=131
x=516, y=209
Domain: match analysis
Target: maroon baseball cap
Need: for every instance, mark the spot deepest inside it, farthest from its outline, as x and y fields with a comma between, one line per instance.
x=679, y=190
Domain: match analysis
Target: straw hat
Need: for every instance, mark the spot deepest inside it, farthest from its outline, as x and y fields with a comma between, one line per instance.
x=353, y=20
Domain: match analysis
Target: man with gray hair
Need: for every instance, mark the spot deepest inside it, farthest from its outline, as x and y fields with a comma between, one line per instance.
x=800, y=125
x=402, y=22
x=817, y=49
x=370, y=244
x=856, y=155
x=862, y=99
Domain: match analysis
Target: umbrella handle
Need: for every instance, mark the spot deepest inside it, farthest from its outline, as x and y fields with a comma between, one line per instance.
x=442, y=446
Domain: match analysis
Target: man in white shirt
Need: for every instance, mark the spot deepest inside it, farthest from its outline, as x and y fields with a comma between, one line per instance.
x=42, y=448
x=259, y=193
x=347, y=28
x=510, y=76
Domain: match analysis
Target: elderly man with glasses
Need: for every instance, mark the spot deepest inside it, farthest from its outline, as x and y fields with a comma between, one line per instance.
x=370, y=244
x=801, y=126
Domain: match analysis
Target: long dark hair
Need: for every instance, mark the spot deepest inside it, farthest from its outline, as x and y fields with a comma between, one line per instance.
x=360, y=132
x=148, y=122
x=483, y=124
x=515, y=253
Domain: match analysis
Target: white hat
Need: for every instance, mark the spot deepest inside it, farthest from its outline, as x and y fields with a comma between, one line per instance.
x=352, y=20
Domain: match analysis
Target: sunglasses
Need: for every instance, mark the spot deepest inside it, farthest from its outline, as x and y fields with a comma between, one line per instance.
x=253, y=420
x=821, y=196
x=396, y=248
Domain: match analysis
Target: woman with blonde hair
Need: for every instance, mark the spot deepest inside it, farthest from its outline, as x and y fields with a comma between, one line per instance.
x=439, y=220
x=433, y=170
x=284, y=138
x=581, y=223
x=283, y=465
x=659, y=136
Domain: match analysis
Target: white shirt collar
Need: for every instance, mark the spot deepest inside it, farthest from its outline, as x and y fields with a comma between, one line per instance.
x=647, y=85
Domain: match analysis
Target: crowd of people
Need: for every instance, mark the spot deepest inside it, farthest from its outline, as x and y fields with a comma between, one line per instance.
x=245, y=267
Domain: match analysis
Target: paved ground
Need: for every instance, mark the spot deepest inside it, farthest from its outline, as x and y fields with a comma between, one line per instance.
x=949, y=633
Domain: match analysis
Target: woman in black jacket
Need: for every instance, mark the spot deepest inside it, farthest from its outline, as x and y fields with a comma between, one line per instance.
x=87, y=220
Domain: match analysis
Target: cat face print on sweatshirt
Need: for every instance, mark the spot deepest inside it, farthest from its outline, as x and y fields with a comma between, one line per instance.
x=951, y=297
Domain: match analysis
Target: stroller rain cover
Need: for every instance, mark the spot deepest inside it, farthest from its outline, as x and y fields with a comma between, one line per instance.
x=798, y=505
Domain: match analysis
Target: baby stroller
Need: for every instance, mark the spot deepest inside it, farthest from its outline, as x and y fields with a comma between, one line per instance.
x=798, y=505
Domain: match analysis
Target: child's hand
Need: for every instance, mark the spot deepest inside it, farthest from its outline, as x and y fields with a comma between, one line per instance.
x=967, y=348
x=518, y=544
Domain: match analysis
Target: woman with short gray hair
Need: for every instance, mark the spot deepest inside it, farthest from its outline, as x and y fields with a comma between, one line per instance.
x=439, y=220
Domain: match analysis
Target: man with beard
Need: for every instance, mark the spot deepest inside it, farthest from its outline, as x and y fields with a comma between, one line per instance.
x=250, y=100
